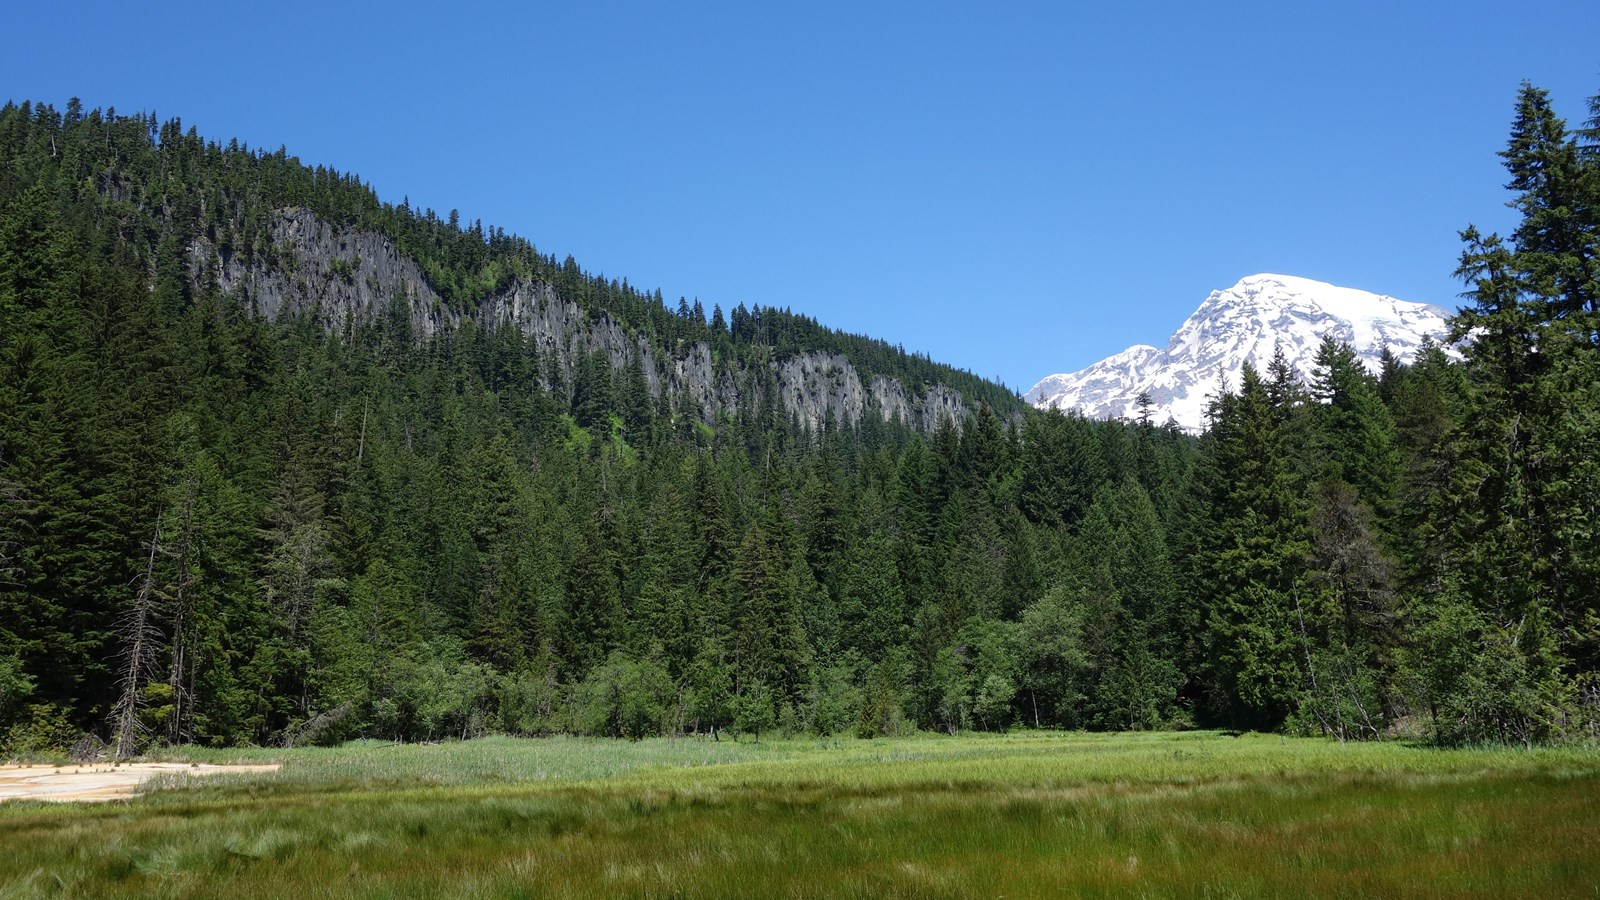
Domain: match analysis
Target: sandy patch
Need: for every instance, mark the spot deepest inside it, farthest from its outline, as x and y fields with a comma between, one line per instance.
x=99, y=781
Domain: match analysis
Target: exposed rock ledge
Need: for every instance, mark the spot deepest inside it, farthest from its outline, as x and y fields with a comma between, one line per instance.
x=347, y=277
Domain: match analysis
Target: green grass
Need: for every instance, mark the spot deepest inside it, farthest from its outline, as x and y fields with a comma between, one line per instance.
x=1022, y=815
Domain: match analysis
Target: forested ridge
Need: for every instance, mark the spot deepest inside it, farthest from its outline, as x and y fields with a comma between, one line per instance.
x=222, y=526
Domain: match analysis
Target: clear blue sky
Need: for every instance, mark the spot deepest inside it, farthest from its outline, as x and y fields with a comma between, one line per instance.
x=1015, y=188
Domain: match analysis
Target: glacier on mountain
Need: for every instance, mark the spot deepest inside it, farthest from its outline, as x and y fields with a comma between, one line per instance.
x=1232, y=327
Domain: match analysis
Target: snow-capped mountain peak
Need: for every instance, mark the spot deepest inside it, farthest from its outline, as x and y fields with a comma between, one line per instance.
x=1244, y=323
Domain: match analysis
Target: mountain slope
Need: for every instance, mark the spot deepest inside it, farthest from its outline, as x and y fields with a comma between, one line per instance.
x=265, y=233
x=259, y=428
x=1242, y=324
x=349, y=277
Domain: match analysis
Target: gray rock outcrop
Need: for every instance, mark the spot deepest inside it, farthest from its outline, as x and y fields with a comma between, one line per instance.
x=346, y=277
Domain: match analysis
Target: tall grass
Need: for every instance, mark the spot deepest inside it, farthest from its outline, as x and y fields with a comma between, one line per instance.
x=494, y=760
x=1017, y=815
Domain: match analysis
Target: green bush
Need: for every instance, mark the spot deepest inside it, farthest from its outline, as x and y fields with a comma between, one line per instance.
x=625, y=697
x=832, y=704
x=1344, y=700
x=44, y=731
x=1487, y=683
x=754, y=710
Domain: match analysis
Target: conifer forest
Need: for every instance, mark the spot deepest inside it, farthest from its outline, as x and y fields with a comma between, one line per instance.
x=283, y=463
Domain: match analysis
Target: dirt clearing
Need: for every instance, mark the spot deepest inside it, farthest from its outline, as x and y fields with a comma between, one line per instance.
x=98, y=781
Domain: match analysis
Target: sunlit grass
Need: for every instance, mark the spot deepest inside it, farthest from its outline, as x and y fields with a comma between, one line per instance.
x=1021, y=758
x=1033, y=814
x=487, y=761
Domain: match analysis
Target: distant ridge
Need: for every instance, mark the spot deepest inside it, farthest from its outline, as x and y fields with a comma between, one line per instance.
x=1232, y=327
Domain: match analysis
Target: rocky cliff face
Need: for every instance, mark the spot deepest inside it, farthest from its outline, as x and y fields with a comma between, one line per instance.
x=336, y=275
x=817, y=385
x=346, y=277
x=939, y=403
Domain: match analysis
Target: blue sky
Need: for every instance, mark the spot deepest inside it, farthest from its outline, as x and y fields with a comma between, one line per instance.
x=1016, y=189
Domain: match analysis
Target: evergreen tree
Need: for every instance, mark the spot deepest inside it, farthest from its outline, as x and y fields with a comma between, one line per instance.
x=1254, y=558
x=1356, y=431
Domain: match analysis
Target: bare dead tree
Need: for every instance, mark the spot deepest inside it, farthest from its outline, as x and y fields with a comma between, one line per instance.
x=139, y=637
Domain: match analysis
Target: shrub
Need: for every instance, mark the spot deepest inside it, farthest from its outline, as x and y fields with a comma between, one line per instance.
x=44, y=731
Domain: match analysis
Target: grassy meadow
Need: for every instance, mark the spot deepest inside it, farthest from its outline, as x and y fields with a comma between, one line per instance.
x=1019, y=815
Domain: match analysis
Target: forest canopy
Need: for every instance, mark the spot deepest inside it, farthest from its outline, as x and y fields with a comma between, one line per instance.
x=223, y=527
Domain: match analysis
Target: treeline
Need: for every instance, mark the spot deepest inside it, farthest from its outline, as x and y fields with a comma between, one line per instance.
x=220, y=529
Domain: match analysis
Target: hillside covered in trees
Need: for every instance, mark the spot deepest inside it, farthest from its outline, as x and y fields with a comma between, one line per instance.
x=282, y=463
